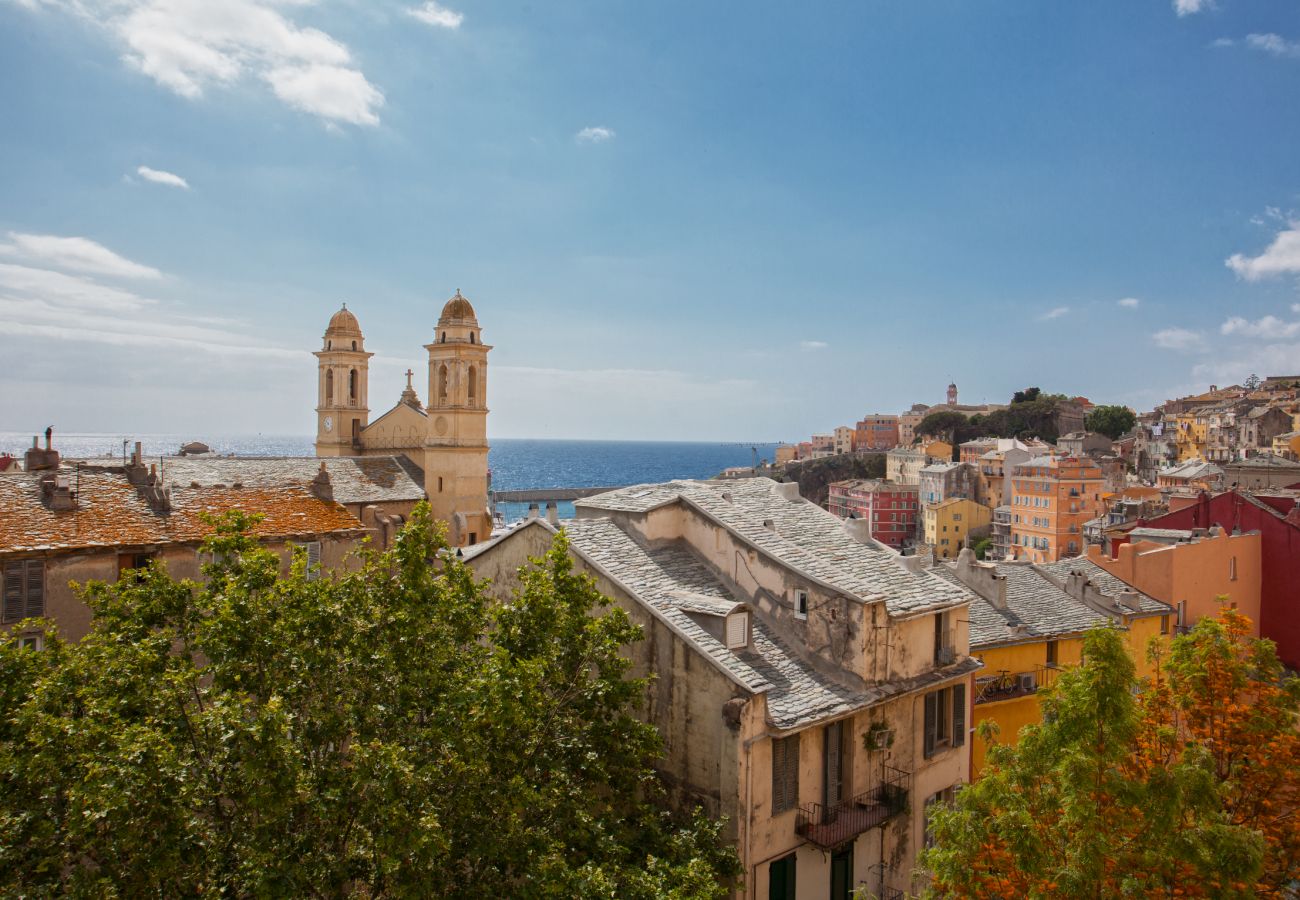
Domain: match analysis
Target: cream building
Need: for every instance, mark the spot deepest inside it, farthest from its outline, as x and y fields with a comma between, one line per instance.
x=446, y=440
x=810, y=684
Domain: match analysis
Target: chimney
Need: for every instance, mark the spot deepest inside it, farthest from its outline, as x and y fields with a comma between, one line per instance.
x=56, y=490
x=858, y=529
x=552, y=512
x=982, y=578
x=321, y=488
x=534, y=511
x=36, y=459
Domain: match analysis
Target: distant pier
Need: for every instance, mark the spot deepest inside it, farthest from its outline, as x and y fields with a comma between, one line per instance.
x=541, y=495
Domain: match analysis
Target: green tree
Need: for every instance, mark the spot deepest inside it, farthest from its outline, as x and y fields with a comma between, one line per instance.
x=1096, y=801
x=1111, y=421
x=948, y=425
x=982, y=546
x=388, y=732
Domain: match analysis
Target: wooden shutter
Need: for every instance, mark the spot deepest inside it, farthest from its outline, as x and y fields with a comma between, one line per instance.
x=35, y=588
x=13, y=592
x=931, y=718
x=737, y=630
x=313, y=558
x=833, y=735
x=958, y=715
x=785, y=773
x=781, y=879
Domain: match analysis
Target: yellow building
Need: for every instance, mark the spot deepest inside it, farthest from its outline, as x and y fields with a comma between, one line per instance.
x=1027, y=623
x=1190, y=435
x=952, y=524
x=938, y=451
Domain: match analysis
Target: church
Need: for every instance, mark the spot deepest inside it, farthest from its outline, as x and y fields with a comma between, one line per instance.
x=446, y=440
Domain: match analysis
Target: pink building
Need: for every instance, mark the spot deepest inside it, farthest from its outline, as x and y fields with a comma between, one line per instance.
x=890, y=510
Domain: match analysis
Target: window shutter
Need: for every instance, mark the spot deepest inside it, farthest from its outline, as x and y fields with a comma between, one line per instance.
x=13, y=592
x=35, y=588
x=785, y=773
x=931, y=716
x=958, y=715
x=737, y=630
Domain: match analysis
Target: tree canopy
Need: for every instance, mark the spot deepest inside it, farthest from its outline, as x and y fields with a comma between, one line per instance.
x=1111, y=421
x=1031, y=414
x=390, y=732
x=1182, y=786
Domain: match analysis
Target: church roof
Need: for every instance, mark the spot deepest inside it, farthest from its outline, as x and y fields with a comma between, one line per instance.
x=457, y=308
x=343, y=320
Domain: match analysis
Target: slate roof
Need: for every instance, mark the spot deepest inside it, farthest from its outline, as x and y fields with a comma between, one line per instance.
x=1104, y=581
x=1033, y=601
x=804, y=537
x=673, y=582
x=355, y=479
x=111, y=513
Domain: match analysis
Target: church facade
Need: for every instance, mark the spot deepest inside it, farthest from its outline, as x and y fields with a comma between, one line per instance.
x=446, y=439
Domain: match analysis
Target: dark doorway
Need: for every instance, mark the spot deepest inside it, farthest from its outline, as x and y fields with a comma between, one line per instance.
x=842, y=873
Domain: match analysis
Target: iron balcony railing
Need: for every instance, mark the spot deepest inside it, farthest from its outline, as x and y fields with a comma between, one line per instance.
x=1007, y=685
x=829, y=826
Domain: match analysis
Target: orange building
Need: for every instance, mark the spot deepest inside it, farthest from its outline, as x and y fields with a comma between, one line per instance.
x=1191, y=576
x=1051, y=499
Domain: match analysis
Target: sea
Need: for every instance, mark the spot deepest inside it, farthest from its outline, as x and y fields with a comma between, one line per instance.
x=516, y=463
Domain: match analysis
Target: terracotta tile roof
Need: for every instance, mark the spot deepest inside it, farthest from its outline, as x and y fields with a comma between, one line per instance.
x=110, y=512
x=365, y=479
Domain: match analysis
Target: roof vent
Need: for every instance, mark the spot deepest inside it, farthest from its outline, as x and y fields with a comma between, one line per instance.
x=769, y=525
x=726, y=495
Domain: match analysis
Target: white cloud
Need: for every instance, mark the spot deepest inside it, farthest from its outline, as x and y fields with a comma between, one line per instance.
x=1255, y=358
x=1223, y=42
x=69, y=291
x=1054, y=313
x=1295, y=307
x=76, y=253
x=1189, y=7
x=158, y=176
x=1268, y=328
x=1273, y=43
x=189, y=46
x=1282, y=257
x=813, y=345
x=595, y=134
x=332, y=92
x=439, y=16
x=1129, y=302
x=1177, y=339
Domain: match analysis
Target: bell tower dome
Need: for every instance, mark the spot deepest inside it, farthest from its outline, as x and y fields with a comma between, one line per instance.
x=343, y=368
x=456, y=446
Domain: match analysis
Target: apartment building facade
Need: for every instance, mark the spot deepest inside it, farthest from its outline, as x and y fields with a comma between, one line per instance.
x=953, y=524
x=877, y=432
x=944, y=481
x=810, y=686
x=890, y=510
x=1051, y=499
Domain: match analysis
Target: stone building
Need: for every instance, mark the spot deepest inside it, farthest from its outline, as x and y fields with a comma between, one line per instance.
x=810, y=685
x=445, y=440
x=944, y=481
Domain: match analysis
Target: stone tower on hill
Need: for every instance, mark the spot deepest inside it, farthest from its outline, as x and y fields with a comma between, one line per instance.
x=446, y=440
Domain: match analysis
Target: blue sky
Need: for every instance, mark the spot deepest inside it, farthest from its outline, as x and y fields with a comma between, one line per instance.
x=676, y=220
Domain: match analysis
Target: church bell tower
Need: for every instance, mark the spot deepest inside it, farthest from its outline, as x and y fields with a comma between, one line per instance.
x=456, y=446
x=343, y=368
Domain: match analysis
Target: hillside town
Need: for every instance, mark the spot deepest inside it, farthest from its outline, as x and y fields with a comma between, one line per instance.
x=821, y=676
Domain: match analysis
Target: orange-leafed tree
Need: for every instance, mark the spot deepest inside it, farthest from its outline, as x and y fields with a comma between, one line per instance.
x=1127, y=788
x=1223, y=693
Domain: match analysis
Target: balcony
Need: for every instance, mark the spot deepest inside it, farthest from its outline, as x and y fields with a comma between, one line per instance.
x=1007, y=685
x=829, y=826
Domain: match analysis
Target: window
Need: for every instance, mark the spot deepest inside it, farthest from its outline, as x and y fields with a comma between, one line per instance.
x=329, y=385
x=32, y=642
x=1232, y=569
x=780, y=879
x=352, y=384
x=943, y=651
x=1051, y=654
x=945, y=719
x=473, y=537
x=801, y=604
x=132, y=562
x=1164, y=624
x=439, y=484
x=737, y=630
x=442, y=381
x=785, y=773
x=473, y=384
x=944, y=797
x=313, y=558
x=24, y=590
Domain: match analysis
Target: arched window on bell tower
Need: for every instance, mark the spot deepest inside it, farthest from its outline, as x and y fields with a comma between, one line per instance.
x=473, y=385
x=442, y=383
x=329, y=385
x=352, y=385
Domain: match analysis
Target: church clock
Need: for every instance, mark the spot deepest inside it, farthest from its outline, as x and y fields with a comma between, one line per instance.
x=329, y=423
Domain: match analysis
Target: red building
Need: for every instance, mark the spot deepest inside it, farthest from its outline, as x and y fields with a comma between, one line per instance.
x=876, y=432
x=890, y=510
x=1277, y=519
